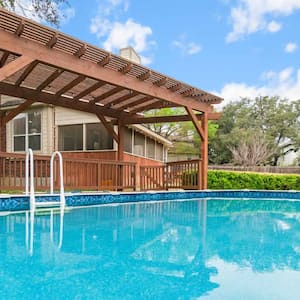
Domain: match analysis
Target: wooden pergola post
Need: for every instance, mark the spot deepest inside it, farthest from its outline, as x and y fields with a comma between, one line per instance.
x=204, y=149
x=203, y=133
x=120, y=151
x=2, y=133
x=121, y=141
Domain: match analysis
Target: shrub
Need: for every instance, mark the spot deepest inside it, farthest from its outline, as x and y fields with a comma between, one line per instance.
x=256, y=181
x=230, y=180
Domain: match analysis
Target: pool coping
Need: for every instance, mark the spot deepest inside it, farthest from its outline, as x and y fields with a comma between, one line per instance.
x=9, y=202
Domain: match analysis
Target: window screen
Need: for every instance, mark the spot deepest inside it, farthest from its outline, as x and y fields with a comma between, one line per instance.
x=139, y=144
x=97, y=137
x=70, y=138
x=150, y=148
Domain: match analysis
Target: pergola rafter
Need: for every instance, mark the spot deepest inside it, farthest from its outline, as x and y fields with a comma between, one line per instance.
x=70, y=85
x=92, y=88
x=116, y=101
x=43, y=65
x=136, y=102
x=26, y=72
x=4, y=59
x=107, y=94
x=48, y=80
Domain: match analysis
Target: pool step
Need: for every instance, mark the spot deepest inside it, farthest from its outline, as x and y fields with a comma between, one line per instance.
x=47, y=203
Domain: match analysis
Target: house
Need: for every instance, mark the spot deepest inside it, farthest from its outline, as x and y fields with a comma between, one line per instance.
x=47, y=128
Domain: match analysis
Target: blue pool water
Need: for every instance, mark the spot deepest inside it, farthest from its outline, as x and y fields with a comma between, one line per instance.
x=190, y=249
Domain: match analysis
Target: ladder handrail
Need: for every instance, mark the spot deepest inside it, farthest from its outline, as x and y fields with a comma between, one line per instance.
x=61, y=175
x=29, y=159
x=29, y=190
x=61, y=228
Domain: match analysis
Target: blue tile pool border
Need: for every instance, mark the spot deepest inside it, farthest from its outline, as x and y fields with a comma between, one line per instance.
x=21, y=202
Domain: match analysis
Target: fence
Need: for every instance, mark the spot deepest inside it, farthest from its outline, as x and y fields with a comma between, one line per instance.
x=182, y=174
x=258, y=169
x=85, y=174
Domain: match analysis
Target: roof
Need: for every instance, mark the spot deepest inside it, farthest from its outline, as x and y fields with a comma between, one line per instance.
x=45, y=65
x=152, y=134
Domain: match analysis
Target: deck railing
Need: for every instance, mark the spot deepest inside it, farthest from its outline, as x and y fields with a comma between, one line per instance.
x=172, y=175
x=79, y=174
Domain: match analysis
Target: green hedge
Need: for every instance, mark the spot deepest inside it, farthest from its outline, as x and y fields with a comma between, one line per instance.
x=229, y=180
x=257, y=181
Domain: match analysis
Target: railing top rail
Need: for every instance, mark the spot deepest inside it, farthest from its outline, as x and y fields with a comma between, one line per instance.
x=183, y=162
x=67, y=159
x=154, y=166
x=102, y=161
x=21, y=155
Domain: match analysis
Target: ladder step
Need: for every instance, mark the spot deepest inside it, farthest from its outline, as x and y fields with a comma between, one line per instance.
x=47, y=203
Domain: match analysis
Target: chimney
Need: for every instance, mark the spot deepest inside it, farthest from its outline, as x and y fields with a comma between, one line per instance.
x=130, y=54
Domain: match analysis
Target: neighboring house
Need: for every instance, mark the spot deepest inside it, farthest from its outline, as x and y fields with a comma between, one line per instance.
x=290, y=159
x=46, y=128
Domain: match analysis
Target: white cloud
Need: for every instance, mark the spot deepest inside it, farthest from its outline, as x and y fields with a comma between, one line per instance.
x=290, y=47
x=100, y=27
x=250, y=16
x=116, y=34
x=123, y=3
x=285, y=83
x=187, y=48
x=274, y=26
x=130, y=33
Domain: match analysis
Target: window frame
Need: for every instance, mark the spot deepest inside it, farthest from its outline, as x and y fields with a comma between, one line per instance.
x=26, y=135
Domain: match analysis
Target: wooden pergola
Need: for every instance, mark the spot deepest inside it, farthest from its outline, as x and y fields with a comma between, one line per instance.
x=40, y=64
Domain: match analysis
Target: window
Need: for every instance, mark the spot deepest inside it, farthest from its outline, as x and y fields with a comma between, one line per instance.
x=97, y=137
x=139, y=144
x=70, y=137
x=128, y=140
x=27, y=131
x=150, y=148
x=159, y=152
x=84, y=137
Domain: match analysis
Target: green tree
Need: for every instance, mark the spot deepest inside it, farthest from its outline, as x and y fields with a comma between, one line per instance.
x=184, y=136
x=275, y=120
x=47, y=10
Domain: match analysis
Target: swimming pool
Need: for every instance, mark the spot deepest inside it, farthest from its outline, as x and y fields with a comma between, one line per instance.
x=188, y=249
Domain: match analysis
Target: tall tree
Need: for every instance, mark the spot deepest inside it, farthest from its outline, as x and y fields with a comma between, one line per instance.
x=275, y=120
x=47, y=10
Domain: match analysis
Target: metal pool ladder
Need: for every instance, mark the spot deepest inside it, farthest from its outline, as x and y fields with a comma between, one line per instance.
x=29, y=166
x=30, y=191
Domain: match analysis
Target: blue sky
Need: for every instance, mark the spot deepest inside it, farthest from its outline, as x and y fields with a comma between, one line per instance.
x=235, y=48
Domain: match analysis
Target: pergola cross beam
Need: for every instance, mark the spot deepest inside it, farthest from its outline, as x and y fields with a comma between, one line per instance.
x=168, y=119
x=13, y=113
x=195, y=122
x=108, y=127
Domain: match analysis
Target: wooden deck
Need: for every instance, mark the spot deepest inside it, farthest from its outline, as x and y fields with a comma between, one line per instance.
x=98, y=175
